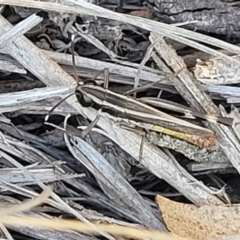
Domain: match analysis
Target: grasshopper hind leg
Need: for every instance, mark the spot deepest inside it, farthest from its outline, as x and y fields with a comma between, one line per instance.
x=105, y=72
x=142, y=133
x=141, y=148
x=106, y=80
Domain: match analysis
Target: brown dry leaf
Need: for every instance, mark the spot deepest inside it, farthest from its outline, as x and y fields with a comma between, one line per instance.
x=200, y=223
x=141, y=13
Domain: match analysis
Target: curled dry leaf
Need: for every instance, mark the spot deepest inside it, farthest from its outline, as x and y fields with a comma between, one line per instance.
x=216, y=71
x=208, y=222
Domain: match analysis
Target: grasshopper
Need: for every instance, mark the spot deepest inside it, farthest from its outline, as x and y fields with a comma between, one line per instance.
x=125, y=109
x=129, y=110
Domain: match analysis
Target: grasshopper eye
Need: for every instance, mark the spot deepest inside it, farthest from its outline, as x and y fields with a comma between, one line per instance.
x=90, y=82
x=84, y=100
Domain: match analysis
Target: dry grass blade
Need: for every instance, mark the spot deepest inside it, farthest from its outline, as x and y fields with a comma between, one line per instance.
x=111, y=229
x=118, y=71
x=29, y=204
x=82, y=227
x=99, y=45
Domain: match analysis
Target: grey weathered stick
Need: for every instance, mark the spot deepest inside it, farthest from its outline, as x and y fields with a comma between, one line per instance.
x=18, y=98
x=31, y=58
x=93, y=64
x=208, y=166
x=97, y=43
x=45, y=174
x=10, y=67
x=223, y=91
x=57, y=200
x=87, y=66
x=20, y=29
x=7, y=63
x=35, y=232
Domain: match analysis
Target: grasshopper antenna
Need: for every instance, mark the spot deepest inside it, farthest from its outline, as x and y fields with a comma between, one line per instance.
x=75, y=76
x=149, y=85
x=58, y=104
x=73, y=36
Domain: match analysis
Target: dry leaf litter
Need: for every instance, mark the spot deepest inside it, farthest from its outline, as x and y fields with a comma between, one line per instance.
x=112, y=176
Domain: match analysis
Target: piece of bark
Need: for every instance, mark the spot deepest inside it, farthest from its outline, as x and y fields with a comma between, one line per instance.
x=209, y=16
x=188, y=150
